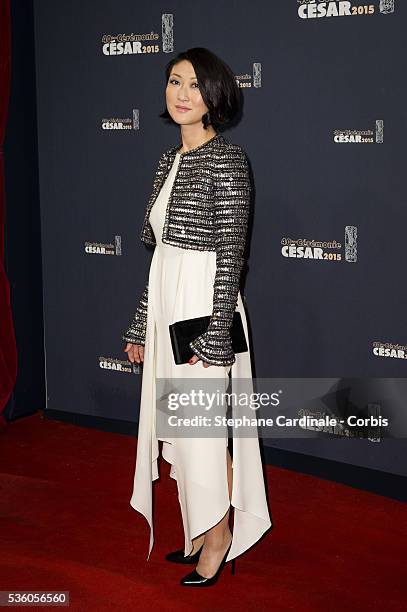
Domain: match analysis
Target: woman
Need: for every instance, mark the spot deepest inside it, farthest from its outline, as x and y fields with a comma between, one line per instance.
x=196, y=219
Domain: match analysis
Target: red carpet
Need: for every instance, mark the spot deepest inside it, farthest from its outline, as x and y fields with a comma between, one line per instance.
x=66, y=524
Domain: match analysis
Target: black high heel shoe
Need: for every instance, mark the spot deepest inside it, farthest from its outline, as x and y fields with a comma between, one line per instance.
x=178, y=557
x=195, y=579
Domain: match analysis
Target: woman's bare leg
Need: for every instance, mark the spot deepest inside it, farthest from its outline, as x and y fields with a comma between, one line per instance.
x=197, y=543
x=218, y=538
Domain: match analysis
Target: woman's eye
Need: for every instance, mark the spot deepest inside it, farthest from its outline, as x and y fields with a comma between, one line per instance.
x=175, y=81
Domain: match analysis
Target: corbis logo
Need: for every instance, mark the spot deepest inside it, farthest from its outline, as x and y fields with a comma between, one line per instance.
x=122, y=123
x=302, y=248
x=141, y=44
x=359, y=136
x=119, y=365
x=387, y=349
x=311, y=9
x=98, y=248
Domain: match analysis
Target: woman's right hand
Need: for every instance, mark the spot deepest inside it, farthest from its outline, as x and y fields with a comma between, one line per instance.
x=135, y=352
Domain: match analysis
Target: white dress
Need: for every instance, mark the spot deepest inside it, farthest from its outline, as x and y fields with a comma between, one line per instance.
x=180, y=287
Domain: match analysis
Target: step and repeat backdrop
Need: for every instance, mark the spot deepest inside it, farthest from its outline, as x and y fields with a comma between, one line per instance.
x=324, y=128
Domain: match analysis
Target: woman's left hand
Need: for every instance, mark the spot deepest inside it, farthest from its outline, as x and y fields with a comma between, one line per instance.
x=195, y=358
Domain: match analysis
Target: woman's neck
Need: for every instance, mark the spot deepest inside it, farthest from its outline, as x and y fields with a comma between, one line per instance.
x=191, y=142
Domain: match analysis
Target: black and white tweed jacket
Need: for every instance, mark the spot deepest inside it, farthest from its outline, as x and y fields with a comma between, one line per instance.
x=208, y=210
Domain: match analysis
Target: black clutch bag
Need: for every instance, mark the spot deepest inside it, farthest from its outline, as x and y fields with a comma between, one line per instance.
x=183, y=332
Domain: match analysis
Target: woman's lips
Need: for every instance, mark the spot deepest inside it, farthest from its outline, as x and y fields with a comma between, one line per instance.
x=182, y=109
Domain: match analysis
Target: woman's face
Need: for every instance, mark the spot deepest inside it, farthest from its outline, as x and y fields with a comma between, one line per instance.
x=184, y=100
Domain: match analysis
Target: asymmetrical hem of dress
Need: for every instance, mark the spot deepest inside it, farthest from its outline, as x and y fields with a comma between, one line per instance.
x=249, y=504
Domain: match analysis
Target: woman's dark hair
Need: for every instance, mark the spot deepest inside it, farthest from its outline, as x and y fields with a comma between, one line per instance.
x=217, y=85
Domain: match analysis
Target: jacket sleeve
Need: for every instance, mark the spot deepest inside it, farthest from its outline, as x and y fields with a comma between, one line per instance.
x=136, y=333
x=230, y=214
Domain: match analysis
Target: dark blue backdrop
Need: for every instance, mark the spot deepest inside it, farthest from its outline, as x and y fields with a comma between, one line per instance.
x=314, y=88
